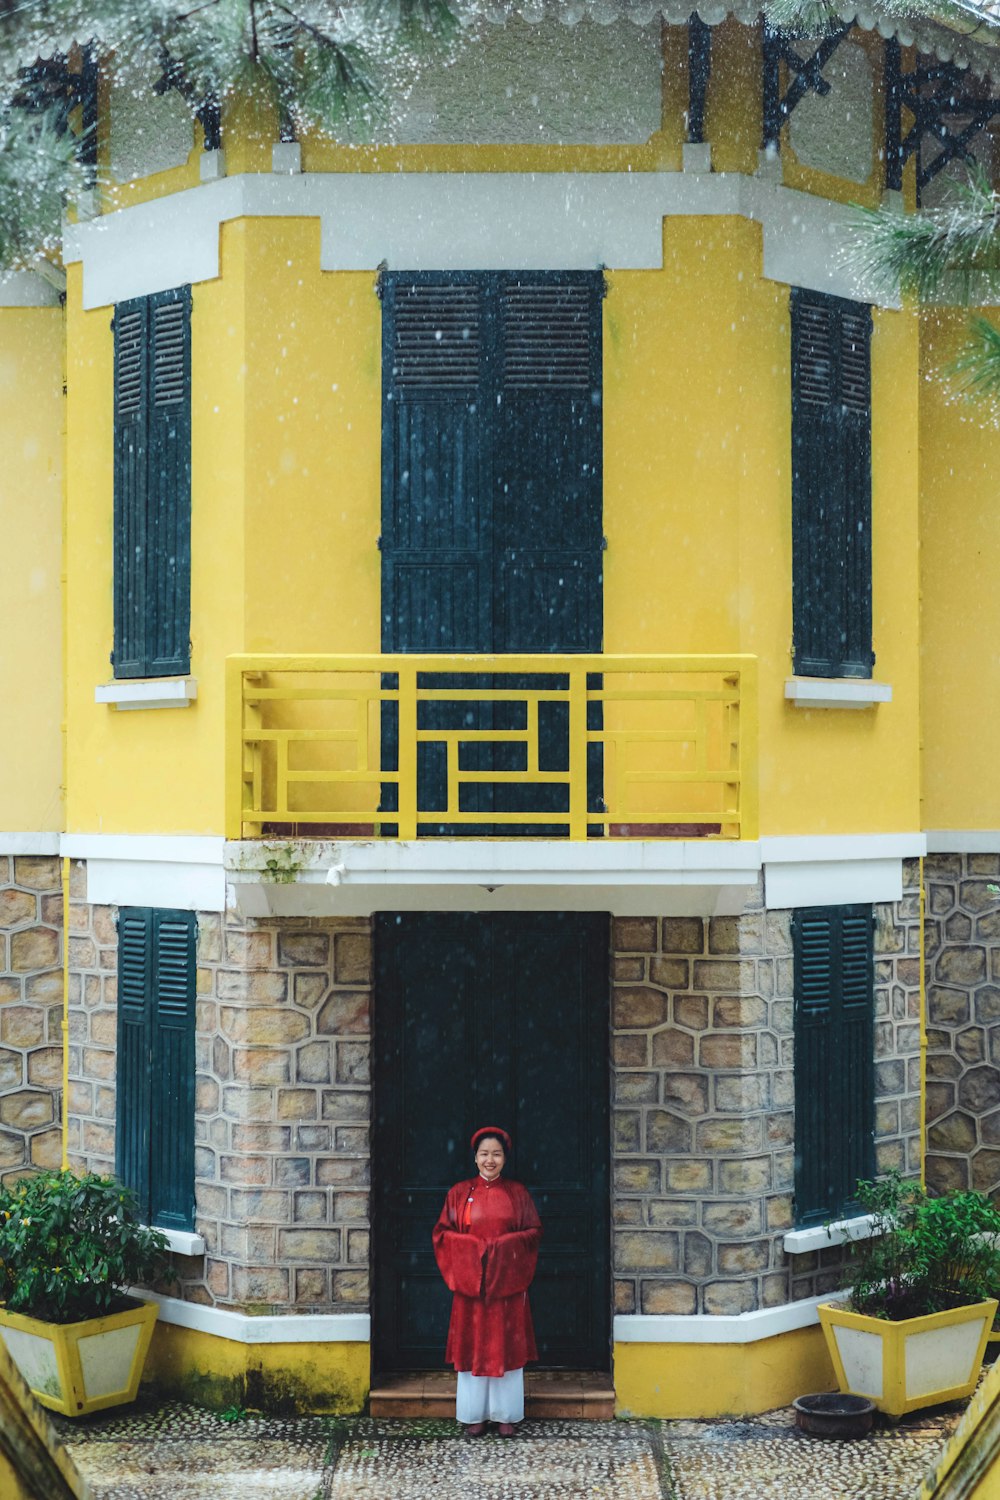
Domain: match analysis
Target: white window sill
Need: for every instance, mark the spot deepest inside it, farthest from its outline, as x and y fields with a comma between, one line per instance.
x=180, y=1241
x=836, y=692
x=822, y=1236
x=148, y=692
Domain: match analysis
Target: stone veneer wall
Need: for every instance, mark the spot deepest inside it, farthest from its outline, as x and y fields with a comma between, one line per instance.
x=703, y=1124
x=282, y=1104
x=31, y=996
x=962, y=936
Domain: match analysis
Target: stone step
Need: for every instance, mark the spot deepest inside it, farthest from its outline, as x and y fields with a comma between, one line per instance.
x=577, y=1394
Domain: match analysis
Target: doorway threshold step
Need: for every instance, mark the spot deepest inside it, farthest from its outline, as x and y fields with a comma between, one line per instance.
x=577, y=1394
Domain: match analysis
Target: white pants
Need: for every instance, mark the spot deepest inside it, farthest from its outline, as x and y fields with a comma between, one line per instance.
x=481, y=1399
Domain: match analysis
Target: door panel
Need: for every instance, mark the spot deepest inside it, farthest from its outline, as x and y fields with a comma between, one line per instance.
x=504, y=1020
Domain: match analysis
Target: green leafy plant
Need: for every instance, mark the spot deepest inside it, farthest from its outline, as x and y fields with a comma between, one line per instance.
x=70, y=1246
x=925, y=1254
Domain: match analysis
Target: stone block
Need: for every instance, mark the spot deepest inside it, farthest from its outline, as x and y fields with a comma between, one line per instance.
x=691, y=1011
x=313, y=1137
x=260, y=1285
x=669, y=973
x=222, y=1058
x=746, y=1259
x=103, y=1028
x=667, y=1133
x=45, y=1067
x=46, y=1149
x=687, y=1176
x=358, y=1247
x=292, y=1171
x=979, y=1089
x=751, y=1175
x=637, y=1176
x=344, y=1105
x=634, y=935
x=297, y=1104
x=672, y=1213
x=954, y=1133
x=261, y=1065
x=211, y=1202
x=350, y=1287
x=646, y=1250
x=309, y=989
x=728, y=1049
x=345, y=1013
x=22, y=1026
x=627, y=1211
x=778, y=933
x=639, y=1007
x=943, y=1065
x=245, y=1170
x=729, y=1137
x=256, y=1138
x=724, y=935
x=352, y=958
x=958, y=928
x=779, y=1129
x=890, y=1156
x=686, y=1092
x=252, y=986
x=666, y=1297
x=27, y=1109
x=10, y=989
x=774, y=1289
x=627, y=970
x=343, y=1171
x=731, y=1220
x=13, y=1148
x=624, y=1296
x=307, y=949
x=739, y=1010
x=347, y=1138
x=309, y=1244
x=37, y=872
x=783, y=1087
x=250, y=1205
x=629, y=1050
x=625, y=1132
x=987, y=1005
x=672, y=1048
x=779, y=1212
x=986, y=1171
x=961, y=966
x=948, y=1174
x=697, y=1254
x=107, y=960
x=636, y=1088
x=351, y=1207
x=17, y=907
x=310, y=1207
x=740, y=1094
x=82, y=953
x=353, y=1062
x=970, y=1044
x=890, y=1078
x=887, y=1117
x=975, y=896
x=310, y=1285
x=721, y=1298
x=243, y=1102
x=263, y=1026
x=313, y=1062
x=683, y=935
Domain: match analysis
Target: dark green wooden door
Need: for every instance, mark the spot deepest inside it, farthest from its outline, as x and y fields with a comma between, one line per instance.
x=499, y=1019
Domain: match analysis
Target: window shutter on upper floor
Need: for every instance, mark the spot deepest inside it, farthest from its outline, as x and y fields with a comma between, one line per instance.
x=156, y=1062
x=153, y=485
x=834, y=1057
x=831, y=486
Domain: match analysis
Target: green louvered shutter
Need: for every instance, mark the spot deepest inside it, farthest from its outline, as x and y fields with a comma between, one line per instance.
x=172, y=1024
x=834, y=1057
x=831, y=486
x=134, y=1052
x=131, y=329
x=152, y=478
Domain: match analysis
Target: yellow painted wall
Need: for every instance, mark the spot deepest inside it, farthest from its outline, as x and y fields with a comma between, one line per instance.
x=187, y=1364
x=31, y=441
x=287, y=361
x=959, y=469
x=675, y=1381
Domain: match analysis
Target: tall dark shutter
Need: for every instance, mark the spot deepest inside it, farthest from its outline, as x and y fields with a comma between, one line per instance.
x=156, y=1062
x=153, y=485
x=834, y=1057
x=831, y=486
x=134, y=1052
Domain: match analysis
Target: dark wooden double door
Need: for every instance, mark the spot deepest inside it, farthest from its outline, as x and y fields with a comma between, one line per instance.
x=492, y=1019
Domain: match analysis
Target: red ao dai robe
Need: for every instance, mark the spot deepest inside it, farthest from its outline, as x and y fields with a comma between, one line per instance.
x=487, y=1251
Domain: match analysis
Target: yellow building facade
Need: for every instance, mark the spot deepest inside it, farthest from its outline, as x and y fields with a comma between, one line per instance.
x=304, y=876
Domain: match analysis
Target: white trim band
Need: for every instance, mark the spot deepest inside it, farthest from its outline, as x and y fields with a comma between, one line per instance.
x=151, y=692
x=822, y=1236
x=963, y=841
x=836, y=692
x=29, y=843
x=180, y=1241
x=296, y=1328
x=702, y=1328
x=466, y=221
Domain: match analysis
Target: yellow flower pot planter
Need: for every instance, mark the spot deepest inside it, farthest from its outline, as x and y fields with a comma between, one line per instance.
x=78, y=1368
x=917, y=1362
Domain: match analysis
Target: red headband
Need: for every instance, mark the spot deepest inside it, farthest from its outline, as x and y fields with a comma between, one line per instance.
x=501, y=1135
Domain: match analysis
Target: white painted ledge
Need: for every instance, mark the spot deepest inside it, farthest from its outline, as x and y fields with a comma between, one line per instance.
x=148, y=692
x=183, y=871
x=702, y=1328
x=181, y=1241
x=29, y=843
x=836, y=692
x=963, y=841
x=822, y=1236
x=296, y=1328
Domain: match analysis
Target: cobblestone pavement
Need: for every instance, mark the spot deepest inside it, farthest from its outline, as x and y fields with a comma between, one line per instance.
x=176, y=1452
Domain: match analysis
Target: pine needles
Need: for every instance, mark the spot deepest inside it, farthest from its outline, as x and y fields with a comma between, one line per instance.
x=38, y=172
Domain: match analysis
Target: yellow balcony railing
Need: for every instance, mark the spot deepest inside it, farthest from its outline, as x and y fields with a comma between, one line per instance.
x=502, y=746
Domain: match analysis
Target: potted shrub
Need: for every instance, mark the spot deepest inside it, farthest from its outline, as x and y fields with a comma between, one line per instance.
x=69, y=1249
x=913, y=1330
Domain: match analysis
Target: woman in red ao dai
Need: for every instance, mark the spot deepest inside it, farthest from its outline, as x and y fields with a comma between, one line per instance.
x=486, y=1247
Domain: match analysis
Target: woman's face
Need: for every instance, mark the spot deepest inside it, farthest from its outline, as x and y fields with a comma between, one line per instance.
x=490, y=1158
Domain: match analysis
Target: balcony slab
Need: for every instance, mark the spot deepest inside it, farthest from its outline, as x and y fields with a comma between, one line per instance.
x=354, y=878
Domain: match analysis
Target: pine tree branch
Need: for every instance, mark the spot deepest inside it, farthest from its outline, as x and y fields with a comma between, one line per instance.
x=947, y=248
